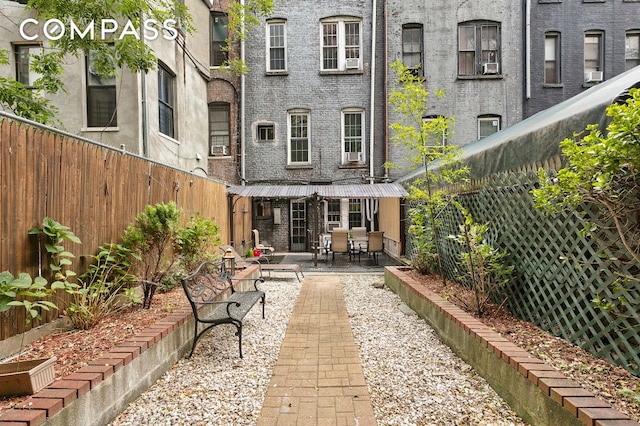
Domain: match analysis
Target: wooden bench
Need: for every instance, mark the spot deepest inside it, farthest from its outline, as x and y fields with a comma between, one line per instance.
x=208, y=286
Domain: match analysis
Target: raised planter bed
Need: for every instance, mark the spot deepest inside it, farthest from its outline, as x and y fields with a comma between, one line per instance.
x=540, y=394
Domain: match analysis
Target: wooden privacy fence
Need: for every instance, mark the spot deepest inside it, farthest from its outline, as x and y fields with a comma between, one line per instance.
x=547, y=290
x=93, y=189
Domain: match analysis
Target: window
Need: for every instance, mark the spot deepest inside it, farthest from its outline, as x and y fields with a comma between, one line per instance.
x=632, y=49
x=552, y=58
x=593, y=57
x=478, y=48
x=266, y=132
x=352, y=135
x=219, y=129
x=341, y=45
x=299, y=137
x=101, y=96
x=435, y=132
x=276, y=46
x=23, y=53
x=219, y=35
x=355, y=213
x=166, y=100
x=412, y=48
x=488, y=125
x=333, y=214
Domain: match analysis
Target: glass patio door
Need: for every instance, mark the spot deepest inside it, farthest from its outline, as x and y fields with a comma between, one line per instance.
x=298, y=226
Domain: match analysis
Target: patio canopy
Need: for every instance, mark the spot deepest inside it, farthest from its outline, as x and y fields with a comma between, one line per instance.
x=376, y=190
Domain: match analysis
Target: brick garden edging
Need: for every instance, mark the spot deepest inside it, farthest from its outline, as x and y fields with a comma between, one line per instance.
x=99, y=392
x=540, y=394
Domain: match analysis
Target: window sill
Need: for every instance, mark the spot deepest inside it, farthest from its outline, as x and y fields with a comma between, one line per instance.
x=552, y=86
x=298, y=167
x=219, y=157
x=100, y=129
x=169, y=138
x=341, y=72
x=353, y=166
x=481, y=77
x=276, y=73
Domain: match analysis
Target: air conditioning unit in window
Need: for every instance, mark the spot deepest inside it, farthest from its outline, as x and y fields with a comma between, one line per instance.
x=352, y=63
x=353, y=157
x=594, y=77
x=219, y=150
x=490, y=68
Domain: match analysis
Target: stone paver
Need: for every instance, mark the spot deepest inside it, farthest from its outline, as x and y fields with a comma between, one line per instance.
x=318, y=379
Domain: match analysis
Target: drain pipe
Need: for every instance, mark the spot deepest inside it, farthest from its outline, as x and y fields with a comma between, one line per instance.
x=373, y=86
x=145, y=107
x=243, y=140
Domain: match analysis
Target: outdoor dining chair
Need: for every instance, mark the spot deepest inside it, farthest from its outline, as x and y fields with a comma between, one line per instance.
x=340, y=242
x=375, y=244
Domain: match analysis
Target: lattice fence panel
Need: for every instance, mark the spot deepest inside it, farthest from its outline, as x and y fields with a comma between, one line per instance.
x=558, y=270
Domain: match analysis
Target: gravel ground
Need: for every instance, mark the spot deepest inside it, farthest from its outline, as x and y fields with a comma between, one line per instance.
x=413, y=378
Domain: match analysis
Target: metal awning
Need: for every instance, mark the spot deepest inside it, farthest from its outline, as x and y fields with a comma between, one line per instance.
x=376, y=190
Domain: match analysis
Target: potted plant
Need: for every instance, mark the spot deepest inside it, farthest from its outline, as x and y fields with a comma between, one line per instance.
x=25, y=377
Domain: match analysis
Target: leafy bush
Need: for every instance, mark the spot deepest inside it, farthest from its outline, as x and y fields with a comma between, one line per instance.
x=104, y=287
x=197, y=242
x=425, y=257
x=483, y=265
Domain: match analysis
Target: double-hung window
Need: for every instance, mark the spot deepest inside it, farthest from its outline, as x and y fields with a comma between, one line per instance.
x=352, y=135
x=341, y=45
x=219, y=35
x=101, y=95
x=276, y=46
x=219, y=124
x=412, y=48
x=23, y=54
x=166, y=100
x=299, y=141
x=632, y=49
x=593, y=57
x=479, y=48
x=552, y=58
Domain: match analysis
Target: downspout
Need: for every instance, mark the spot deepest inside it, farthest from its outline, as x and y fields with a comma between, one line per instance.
x=372, y=121
x=243, y=145
x=145, y=108
x=527, y=48
x=385, y=116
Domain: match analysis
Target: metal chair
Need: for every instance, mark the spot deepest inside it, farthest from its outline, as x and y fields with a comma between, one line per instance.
x=375, y=244
x=340, y=242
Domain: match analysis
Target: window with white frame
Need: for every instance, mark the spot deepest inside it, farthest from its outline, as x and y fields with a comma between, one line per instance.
x=219, y=34
x=356, y=218
x=552, y=58
x=593, y=57
x=299, y=143
x=101, y=95
x=479, y=48
x=219, y=124
x=435, y=130
x=23, y=54
x=333, y=214
x=341, y=45
x=276, y=46
x=632, y=49
x=166, y=100
x=352, y=135
x=412, y=48
x=488, y=125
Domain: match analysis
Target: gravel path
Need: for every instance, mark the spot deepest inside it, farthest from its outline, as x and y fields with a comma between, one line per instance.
x=413, y=378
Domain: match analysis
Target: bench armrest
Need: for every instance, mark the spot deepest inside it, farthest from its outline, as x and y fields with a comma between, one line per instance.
x=221, y=302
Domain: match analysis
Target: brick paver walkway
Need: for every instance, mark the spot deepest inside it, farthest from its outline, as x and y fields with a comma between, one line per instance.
x=318, y=379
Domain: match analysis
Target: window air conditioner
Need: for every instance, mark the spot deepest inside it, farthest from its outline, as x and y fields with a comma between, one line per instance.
x=353, y=157
x=352, y=63
x=594, y=76
x=490, y=68
x=219, y=150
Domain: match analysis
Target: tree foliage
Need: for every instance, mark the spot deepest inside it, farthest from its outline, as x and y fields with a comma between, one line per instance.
x=424, y=141
x=602, y=172
x=242, y=18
